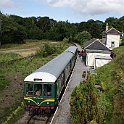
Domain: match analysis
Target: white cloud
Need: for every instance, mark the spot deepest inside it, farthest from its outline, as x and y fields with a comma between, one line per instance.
x=6, y=3
x=91, y=7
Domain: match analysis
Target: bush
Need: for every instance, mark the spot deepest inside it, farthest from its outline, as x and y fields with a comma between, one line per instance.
x=47, y=50
x=82, y=37
x=86, y=104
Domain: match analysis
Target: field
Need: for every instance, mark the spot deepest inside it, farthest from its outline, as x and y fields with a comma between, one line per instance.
x=13, y=74
x=24, y=50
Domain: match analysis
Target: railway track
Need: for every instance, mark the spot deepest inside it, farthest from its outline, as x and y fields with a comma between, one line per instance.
x=35, y=119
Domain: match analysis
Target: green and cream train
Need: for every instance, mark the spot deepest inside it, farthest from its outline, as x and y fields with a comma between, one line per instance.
x=43, y=88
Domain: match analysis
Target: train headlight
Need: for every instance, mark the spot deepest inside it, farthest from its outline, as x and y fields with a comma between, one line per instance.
x=47, y=102
x=29, y=101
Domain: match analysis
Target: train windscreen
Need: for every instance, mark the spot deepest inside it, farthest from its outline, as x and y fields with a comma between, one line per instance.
x=47, y=90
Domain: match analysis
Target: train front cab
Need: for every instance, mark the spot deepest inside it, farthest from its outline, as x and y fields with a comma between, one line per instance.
x=40, y=96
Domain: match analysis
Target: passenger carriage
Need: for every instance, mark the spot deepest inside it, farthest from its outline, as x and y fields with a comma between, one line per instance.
x=43, y=88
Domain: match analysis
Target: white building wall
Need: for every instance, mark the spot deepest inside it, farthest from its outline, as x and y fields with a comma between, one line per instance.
x=90, y=58
x=101, y=62
x=113, y=38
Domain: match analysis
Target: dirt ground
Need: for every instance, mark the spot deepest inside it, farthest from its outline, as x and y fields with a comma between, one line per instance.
x=12, y=94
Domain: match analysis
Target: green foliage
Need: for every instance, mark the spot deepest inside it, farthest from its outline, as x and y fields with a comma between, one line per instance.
x=15, y=115
x=109, y=102
x=20, y=69
x=112, y=82
x=27, y=66
x=92, y=122
x=49, y=49
x=8, y=57
x=5, y=58
x=82, y=37
x=66, y=40
x=3, y=82
x=95, y=28
x=87, y=104
x=15, y=28
x=11, y=32
x=122, y=41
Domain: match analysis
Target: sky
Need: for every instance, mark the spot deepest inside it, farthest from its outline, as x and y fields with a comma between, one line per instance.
x=62, y=10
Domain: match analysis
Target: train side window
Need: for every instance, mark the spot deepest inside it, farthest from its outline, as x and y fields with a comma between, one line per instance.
x=29, y=89
x=38, y=89
x=47, y=90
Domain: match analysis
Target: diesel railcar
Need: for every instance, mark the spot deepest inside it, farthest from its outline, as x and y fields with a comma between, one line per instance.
x=43, y=88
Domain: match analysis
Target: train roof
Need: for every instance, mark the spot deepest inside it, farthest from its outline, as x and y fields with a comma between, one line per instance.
x=52, y=70
x=71, y=49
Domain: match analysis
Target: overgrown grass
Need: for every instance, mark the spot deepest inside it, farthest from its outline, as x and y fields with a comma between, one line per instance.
x=28, y=44
x=111, y=78
x=25, y=67
x=9, y=56
x=111, y=97
x=15, y=115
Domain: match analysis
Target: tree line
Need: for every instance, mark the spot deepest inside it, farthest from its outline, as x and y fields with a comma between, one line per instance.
x=14, y=29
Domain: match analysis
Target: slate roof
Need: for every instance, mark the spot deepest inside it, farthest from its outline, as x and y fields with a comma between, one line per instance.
x=89, y=42
x=95, y=44
x=113, y=31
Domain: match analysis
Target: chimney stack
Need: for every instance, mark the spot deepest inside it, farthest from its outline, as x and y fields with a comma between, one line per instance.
x=106, y=26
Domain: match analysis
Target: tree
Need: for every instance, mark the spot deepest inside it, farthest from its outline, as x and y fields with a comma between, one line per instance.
x=82, y=37
x=95, y=28
x=113, y=22
x=12, y=32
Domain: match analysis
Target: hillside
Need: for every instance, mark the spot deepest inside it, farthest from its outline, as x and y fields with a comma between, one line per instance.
x=111, y=77
x=104, y=105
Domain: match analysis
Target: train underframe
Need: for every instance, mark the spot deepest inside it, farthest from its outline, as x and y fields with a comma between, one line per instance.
x=40, y=110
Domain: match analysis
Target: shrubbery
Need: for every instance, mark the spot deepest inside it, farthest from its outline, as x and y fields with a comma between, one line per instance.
x=108, y=107
x=49, y=49
x=82, y=37
x=87, y=104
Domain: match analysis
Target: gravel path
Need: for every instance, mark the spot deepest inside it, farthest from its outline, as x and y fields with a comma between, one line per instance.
x=62, y=115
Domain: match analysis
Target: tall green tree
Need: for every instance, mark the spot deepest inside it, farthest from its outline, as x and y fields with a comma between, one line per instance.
x=12, y=32
x=82, y=37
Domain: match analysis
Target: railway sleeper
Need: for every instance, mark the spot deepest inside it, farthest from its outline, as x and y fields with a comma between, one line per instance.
x=38, y=111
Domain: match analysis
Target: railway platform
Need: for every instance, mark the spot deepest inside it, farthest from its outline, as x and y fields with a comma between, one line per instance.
x=62, y=114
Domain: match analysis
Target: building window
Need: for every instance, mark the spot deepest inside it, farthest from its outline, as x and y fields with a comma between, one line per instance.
x=112, y=44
